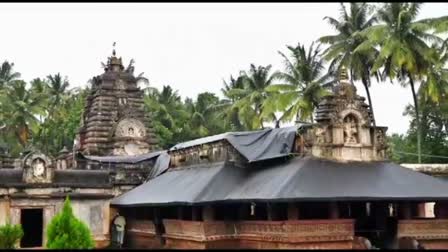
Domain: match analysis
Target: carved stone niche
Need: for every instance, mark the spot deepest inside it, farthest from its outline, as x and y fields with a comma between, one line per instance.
x=37, y=168
x=130, y=127
x=322, y=135
x=354, y=130
x=130, y=135
x=380, y=142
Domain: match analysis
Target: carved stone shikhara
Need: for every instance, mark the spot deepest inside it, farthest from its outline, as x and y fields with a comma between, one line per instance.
x=114, y=121
x=344, y=130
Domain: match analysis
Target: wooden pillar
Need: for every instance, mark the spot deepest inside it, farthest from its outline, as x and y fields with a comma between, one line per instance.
x=405, y=211
x=157, y=218
x=195, y=213
x=180, y=215
x=272, y=211
x=333, y=210
x=421, y=210
x=441, y=210
x=242, y=212
x=293, y=211
x=208, y=213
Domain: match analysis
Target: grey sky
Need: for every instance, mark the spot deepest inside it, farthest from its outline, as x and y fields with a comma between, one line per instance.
x=190, y=46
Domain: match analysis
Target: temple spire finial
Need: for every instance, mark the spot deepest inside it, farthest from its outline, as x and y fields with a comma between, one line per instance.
x=113, y=51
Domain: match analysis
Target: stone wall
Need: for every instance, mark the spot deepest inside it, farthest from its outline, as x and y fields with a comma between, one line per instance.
x=93, y=212
x=431, y=233
x=301, y=234
x=206, y=153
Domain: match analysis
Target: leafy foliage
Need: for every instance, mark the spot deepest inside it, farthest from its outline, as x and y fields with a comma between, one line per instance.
x=305, y=84
x=65, y=231
x=342, y=50
x=249, y=96
x=10, y=235
x=434, y=127
x=386, y=42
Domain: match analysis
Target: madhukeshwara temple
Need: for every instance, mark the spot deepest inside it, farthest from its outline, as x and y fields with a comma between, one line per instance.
x=322, y=185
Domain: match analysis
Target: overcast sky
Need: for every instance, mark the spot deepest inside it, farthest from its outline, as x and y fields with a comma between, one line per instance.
x=190, y=46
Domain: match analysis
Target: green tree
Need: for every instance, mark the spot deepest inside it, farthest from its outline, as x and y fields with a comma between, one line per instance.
x=342, y=47
x=404, y=52
x=305, y=84
x=225, y=111
x=434, y=122
x=10, y=235
x=169, y=115
x=19, y=112
x=435, y=85
x=249, y=99
x=7, y=74
x=203, y=119
x=57, y=88
x=65, y=231
x=65, y=122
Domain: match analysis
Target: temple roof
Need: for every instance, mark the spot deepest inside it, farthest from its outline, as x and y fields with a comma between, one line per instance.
x=131, y=159
x=298, y=179
x=62, y=178
x=343, y=159
x=270, y=143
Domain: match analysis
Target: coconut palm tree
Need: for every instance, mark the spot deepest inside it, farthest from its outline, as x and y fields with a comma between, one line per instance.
x=57, y=87
x=249, y=99
x=435, y=84
x=202, y=117
x=169, y=115
x=166, y=104
x=7, y=74
x=404, y=52
x=224, y=109
x=343, y=44
x=21, y=108
x=305, y=83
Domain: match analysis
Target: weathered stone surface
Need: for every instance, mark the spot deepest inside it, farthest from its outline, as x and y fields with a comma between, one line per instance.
x=38, y=181
x=115, y=108
x=309, y=234
x=344, y=131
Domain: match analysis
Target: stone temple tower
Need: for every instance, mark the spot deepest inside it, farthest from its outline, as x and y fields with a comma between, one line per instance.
x=114, y=121
x=344, y=129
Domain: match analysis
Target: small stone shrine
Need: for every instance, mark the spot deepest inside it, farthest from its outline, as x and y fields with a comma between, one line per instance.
x=114, y=152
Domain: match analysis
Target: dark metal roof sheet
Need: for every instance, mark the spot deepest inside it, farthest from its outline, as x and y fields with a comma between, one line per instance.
x=318, y=179
x=269, y=143
x=187, y=185
x=161, y=165
x=298, y=179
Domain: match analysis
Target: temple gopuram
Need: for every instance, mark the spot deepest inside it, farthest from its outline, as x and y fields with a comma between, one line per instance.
x=115, y=151
x=322, y=185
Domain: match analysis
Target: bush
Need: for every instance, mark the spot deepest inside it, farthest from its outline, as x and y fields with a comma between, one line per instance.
x=65, y=231
x=10, y=235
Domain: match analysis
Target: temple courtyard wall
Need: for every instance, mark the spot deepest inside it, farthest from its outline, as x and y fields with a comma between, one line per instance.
x=95, y=213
